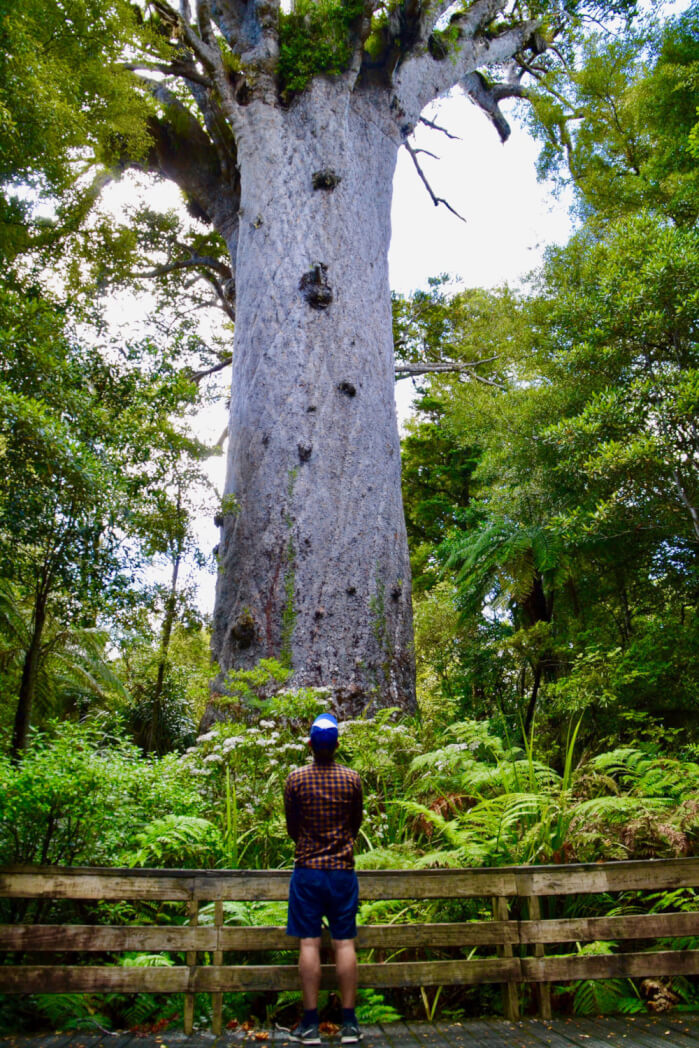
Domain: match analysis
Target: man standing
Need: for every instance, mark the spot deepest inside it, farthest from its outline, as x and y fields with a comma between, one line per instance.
x=323, y=805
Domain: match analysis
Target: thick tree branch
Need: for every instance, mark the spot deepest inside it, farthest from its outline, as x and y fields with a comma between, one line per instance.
x=183, y=152
x=228, y=16
x=488, y=96
x=424, y=77
x=181, y=69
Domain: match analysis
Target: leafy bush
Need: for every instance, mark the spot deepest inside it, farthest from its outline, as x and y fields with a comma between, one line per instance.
x=78, y=798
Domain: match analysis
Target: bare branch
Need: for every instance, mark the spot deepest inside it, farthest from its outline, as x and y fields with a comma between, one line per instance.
x=441, y=367
x=224, y=293
x=194, y=262
x=198, y=376
x=435, y=199
x=437, y=127
x=204, y=53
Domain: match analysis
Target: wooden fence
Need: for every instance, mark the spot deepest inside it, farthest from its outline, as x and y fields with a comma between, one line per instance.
x=517, y=933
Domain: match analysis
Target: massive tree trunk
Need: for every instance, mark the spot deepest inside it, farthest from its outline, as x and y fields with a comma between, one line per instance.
x=313, y=563
x=313, y=557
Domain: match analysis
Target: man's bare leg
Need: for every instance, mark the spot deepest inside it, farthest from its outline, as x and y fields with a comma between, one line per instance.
x=346, y=965
x=309, y=970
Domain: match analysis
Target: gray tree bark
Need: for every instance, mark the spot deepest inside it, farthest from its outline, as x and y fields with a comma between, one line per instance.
x=313, y=562
x=313, y=559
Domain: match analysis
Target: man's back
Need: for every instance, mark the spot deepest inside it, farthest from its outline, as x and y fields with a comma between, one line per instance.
x=323, y=804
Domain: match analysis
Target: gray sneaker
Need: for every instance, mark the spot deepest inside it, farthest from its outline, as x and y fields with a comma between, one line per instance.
x=351, y=1034
x=306, y=1033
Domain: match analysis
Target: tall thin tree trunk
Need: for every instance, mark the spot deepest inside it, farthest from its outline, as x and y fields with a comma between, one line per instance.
x=166, y=634
x=27, y=687
x=531, y=708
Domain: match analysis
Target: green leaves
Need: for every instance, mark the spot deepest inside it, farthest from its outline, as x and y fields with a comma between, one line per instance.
x=314, y=37
x=623, y=120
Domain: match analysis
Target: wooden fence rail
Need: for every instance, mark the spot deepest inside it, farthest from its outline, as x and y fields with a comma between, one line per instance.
x=518, y=943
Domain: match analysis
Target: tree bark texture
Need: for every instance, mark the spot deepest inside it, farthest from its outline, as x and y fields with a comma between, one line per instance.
x=313, y=558
x=313, y=562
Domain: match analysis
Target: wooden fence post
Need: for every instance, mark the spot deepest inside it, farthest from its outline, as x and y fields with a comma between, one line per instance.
x=542, y=990
x=191, y=959
x=217, y=998
x=510, y=995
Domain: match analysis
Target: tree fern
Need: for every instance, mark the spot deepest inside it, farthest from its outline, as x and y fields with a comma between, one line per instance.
x=71, y=1011
x=600, y=996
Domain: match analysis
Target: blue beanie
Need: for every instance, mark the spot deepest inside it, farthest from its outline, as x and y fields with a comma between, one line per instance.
x=324, y=733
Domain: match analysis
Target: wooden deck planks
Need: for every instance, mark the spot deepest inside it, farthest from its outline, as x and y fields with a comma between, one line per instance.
x=642, y=1031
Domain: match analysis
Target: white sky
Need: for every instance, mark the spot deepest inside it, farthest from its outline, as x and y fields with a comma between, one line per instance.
x=511, y=218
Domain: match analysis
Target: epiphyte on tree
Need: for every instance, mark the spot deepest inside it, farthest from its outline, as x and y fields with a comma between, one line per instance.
x=347, y=388
x=315, y=287
x=325, y=179
x=305, y=451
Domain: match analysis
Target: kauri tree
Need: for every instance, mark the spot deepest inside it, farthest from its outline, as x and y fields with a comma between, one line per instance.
x=282, y=128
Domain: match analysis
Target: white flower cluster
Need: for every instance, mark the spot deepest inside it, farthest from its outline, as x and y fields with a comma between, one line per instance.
x=231, y=742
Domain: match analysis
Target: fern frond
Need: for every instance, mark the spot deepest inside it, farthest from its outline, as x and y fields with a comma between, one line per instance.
x=146, y=960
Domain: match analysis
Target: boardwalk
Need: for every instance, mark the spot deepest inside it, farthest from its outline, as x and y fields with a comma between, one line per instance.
x=625, y=1032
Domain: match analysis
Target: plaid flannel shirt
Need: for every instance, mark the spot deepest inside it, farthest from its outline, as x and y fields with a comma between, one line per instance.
x=323, y=806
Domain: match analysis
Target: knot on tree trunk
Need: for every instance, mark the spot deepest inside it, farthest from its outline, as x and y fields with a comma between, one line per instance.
x=325, y=179
x=315, y=287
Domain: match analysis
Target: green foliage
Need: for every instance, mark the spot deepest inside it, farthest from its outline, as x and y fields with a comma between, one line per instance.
x=315, y=38
x=602, y=996
x=621, y=124
x=63, y=93
x=78, y=797
x=182, y=841
x=249, y=687
x=372, y=1008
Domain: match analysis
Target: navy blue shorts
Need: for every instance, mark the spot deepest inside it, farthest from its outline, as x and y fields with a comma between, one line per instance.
x=314, y=894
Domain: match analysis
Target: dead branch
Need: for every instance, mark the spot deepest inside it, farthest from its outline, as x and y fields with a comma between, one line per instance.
x=435, y=199
x=438, y=127
x=446, y=367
